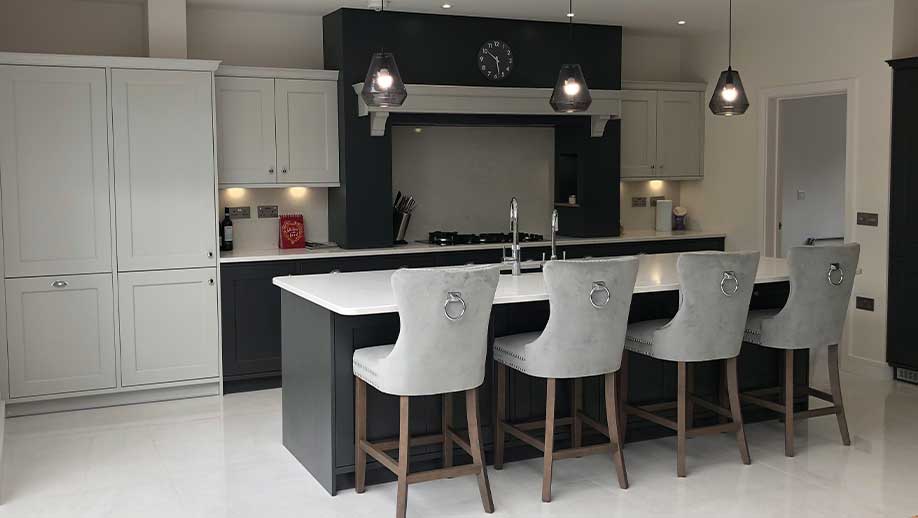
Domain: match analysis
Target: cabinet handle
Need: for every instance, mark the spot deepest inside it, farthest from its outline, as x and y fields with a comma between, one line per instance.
x=661, y=166
x=210, y=254
x=284, y=170
x=210, y=281
x=60, y=284
x=653, y=166
x=271, y=169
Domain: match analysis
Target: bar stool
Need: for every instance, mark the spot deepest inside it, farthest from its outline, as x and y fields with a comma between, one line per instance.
x=441, y=348
x=589, y=302
x=821, y=280
x=715, y=290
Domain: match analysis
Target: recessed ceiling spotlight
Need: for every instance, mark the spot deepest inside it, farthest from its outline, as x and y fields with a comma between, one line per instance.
x=447, y=6
x=570, y=15
x=681, y=22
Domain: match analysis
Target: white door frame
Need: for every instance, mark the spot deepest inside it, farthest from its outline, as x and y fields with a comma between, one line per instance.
x=769, y=99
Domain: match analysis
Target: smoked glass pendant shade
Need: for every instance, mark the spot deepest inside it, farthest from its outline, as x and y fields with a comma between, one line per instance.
x=729, y=95
x=571, y=93
x=383, y=86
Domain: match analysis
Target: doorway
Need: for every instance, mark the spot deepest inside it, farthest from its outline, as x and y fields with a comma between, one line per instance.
x=808, y=159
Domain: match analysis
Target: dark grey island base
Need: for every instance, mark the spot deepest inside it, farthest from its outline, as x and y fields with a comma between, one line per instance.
x=318, y=384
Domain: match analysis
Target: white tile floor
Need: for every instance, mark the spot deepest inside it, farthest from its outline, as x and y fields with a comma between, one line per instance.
x=222, y=457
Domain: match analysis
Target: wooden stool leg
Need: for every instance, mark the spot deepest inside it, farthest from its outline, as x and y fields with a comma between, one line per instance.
x=403, y=452
x=724, y=397
x=484, y=487
x=681, y=419
x=615, y=437
x=789, y=403
x=689, y=390
x=736, y=410
x=576, y=407
x=360, y=434
x=447, y=423
x=623, y=400
x=501, y=416
x=837, y=395
x=549, y=439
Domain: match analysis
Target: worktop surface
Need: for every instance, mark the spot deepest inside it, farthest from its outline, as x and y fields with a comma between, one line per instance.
x=275, y=254
x=368, y=293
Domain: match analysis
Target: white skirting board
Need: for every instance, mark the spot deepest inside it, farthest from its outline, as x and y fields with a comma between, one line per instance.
x=112, y=399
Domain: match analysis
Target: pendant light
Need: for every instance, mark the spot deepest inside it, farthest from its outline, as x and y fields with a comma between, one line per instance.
x=729, y=95
x=571, y=93
x=383, y=86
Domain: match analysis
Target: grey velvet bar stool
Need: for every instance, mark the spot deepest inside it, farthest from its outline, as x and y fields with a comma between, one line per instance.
x=821, y=280
x=589, y=302
x=714, y=294
x=441, y=348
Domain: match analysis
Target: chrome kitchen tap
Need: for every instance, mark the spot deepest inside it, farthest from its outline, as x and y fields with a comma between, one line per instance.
x=514, y=258
x=554, y=230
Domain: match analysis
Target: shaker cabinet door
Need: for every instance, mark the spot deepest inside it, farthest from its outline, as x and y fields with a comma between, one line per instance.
x=61, y=334
x=639, y=134
x=54, y=171
x=245, y=130
x=680, y=134
x=168, y=326
x=307, y=131
x=164, y=169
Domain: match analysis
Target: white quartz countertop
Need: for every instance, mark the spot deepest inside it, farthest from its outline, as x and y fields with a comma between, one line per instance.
x=275, y=254
x=368, y=293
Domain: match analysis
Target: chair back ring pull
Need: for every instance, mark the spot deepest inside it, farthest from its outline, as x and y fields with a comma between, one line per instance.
x=836, y=267
x=600, y=287
x=729, y=277
x=454, y=297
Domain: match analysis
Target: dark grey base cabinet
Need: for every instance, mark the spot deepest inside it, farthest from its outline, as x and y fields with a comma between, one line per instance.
x=252, y=309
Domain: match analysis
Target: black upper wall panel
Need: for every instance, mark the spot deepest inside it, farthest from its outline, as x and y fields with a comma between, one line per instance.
x=435, y=49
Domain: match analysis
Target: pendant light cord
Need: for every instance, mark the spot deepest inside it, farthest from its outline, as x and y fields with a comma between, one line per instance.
x=730, y=38
x=570, y=41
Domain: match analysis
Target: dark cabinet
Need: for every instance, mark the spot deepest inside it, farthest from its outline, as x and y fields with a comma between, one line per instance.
x=901, y=351
x=251, y=320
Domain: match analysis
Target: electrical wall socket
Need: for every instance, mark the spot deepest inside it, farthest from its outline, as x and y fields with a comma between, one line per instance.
x=864, y=303
x=868, y=219
x=240, y=212
x=267, y=211
x=639, y=201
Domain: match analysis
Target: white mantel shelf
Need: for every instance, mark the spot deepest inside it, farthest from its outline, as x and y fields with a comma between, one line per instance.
x=488, y=100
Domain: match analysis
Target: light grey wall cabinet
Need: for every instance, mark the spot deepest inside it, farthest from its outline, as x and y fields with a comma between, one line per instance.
x=54, y=170
x=108, y=187
x=61, y=334
x=662, y=131
x=164, y=169
x=277, y=126
x=168, y=325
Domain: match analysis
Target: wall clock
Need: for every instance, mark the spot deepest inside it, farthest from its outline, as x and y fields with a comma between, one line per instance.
x=495, y=60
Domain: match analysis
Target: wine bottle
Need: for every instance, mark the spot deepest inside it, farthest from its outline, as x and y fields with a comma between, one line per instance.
x=226, y=232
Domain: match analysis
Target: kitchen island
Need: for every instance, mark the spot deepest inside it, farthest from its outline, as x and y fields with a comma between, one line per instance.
x=326, y=317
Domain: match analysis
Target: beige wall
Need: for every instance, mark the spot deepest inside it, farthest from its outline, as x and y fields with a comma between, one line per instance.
x=255, y=38
x=651, y=58
x=850, y=40
x=643, y=218
x=73, y=27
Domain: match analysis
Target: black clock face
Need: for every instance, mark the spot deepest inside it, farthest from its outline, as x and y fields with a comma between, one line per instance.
x=495, y=60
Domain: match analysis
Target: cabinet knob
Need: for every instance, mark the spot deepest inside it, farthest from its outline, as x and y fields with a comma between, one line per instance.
x=284, y=170
x=271, y=170
x=210, y=254
x=661, y=166
x=210, y=281
x=60, y=284
x=653, y=166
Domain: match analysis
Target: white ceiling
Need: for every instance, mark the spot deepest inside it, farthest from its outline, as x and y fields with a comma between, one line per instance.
x=654, y=16
x=641, y=16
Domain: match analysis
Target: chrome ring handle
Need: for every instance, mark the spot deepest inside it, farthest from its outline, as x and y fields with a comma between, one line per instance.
x=600, y=287
x=60, y=284
x=454, y=297
x=729, y=276
x=835, y=267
